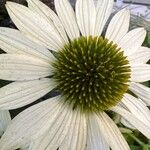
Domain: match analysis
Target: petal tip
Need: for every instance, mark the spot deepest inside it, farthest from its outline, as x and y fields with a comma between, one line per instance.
x=9, y=3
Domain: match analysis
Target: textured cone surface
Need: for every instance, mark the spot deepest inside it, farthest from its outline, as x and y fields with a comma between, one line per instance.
x=91, y=73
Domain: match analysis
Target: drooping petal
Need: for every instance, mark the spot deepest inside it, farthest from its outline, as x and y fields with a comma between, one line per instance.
x=132, y=41
x=118, y=26
x=56, y=133
x=18, y=94
x=141, y=56
x=76, y=137
x=86, y=15
x=141, y=91
x=4, y=120
x=140, y=73
x=30, y=124
x=95, y=139
x=103, y=11
x=49, y=14
x=17, y=67
x=67, y=16
x=111, y=132
x=126, y=123
x=13, y=42
x=34, y=26
x=143, y=128
x=137, y=108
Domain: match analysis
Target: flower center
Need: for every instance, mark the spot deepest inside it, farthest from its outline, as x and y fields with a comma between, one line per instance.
x=91, y=73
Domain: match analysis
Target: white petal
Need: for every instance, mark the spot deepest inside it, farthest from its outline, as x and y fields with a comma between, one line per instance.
x=18, y=94
x=24, y=148
x=56, y=133
x=67, y=16
x=34, y=26
x=141, y=56
x=76, y=137
x=4, y=120
x=137, y=108
x=144, y=129
x=127, y=124
x=22, y=67
x=103, y=11
x=111, y=132
x=13, y=42
x=30, y=124
x=118, y=26
x=50, y=15
x=86, y=15
x=95, y=139
x=140, y=73
x=132, y=41
x=141, y=91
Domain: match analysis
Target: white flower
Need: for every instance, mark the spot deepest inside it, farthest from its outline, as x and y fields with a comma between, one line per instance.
x=91, y=73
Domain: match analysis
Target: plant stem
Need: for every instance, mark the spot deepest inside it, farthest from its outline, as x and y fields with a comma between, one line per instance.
x=136, y=139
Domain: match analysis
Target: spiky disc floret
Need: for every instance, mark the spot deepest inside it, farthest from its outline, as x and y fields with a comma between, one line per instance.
x=91, y=73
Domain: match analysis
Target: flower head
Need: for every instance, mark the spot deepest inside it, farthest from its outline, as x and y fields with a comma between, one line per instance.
x=92, y=72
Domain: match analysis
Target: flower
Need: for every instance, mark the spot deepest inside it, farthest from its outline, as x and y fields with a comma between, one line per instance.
x=93, y=73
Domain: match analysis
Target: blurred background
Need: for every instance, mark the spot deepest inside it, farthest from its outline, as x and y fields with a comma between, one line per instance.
x=140, y=9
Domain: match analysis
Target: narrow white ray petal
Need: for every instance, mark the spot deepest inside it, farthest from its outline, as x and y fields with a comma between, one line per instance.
x=22, y=67
x=138, y=108
x=66, y=142
x=141, y=91
x=95, y=139
x=123, y=120
x=49, y=14
x=76, y=137
x=34, y=144
x=18, y=94
x=140, y=73
x=60, y=128
x=86, y=15
x=82, y=134
x=103, y=11
x=24, y=148
x=111, y=132
x=67, y=16
x=34, y=26
x=141, y=56
x=126, y=123
x=4, y=120
x=30, y=124
x=132, y=41
x=143, y=128
x=56, y=133
x=118, y=26
x=13, y=42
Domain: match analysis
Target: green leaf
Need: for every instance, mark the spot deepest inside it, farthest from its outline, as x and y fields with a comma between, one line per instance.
x=134, y=147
